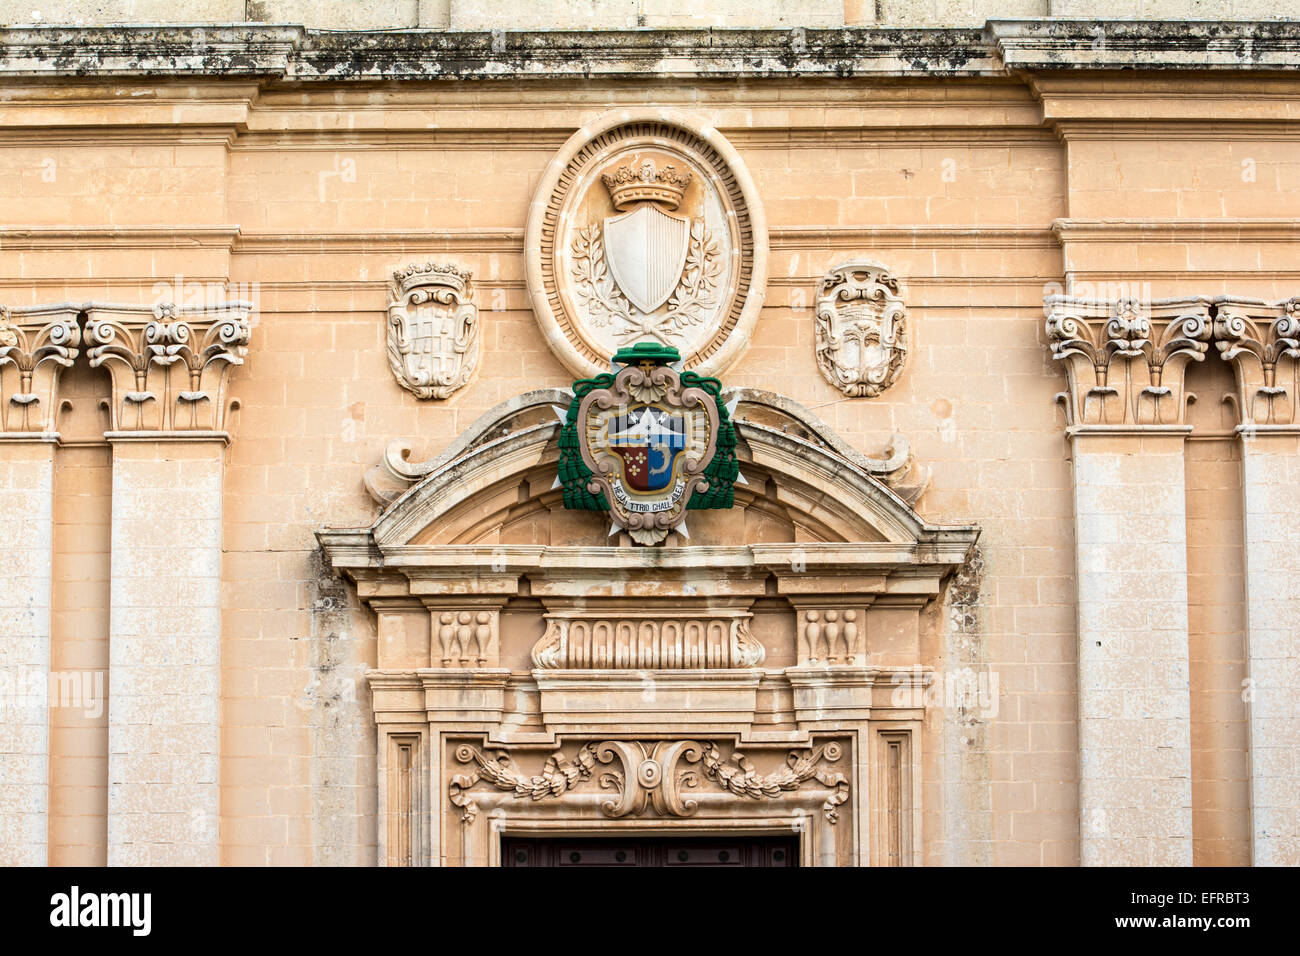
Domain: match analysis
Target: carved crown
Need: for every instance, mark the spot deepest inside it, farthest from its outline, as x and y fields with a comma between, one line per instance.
x=428, y=273
x=628, y=185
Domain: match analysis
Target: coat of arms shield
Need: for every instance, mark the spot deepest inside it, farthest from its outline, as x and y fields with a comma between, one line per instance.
x=432, y=329
x=646, y=442
x=647, y=249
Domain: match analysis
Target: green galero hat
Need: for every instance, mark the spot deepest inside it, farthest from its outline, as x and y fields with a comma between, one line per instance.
x=647, y=352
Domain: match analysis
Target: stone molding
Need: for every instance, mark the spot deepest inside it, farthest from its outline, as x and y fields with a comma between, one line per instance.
x=433, y=329
x=168, y=365
x=1057, y=44
x=297, y=54
x=530, y=420
x=36, y=345
x=1125, y=359
x=861, y=328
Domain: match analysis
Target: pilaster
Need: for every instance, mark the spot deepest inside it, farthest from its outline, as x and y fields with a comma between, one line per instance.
x=35, y=346
x=1262, y=343
x=169, y=407
x=1126, y=415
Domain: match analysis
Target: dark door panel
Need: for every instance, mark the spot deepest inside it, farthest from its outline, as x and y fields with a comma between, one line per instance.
x=650, y=851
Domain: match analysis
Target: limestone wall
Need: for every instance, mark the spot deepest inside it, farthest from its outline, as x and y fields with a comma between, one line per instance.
x=983, y=192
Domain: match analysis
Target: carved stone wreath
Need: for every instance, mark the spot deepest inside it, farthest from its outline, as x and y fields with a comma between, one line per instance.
x=433, y=340
x=654, y=774
x=646, y=227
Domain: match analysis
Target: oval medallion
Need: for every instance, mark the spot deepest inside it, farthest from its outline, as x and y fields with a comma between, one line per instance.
x=646, y=228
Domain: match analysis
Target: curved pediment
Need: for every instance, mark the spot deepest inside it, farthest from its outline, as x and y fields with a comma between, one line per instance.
x=496, y=484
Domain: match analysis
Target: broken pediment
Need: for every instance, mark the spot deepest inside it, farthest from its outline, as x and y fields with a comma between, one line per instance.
x=801, y=483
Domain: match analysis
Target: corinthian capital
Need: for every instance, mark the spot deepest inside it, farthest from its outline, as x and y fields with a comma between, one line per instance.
x=1125, y=359
x=168, y=365
x=36, y=345
x=1261, y=341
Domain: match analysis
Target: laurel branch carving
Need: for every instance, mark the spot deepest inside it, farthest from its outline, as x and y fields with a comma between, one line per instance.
x=594, y=286
x=693, y=300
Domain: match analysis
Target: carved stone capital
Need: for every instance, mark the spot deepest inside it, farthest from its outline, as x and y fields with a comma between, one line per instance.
x=1261, y=341
x=169, y=365
x=1125, y=359
x=861, y=328
x=433, y=340
x=36, y=345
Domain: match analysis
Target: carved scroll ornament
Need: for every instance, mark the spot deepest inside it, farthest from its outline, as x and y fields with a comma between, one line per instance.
x=654, y=774
x=1125, y=360
x=1262, y=343
x=36, y=345
x=169, y=365
x=433, y=329
x=861, y=328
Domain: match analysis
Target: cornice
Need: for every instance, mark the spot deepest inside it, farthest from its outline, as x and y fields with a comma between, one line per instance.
x=51, y=238
x=1143, y=127
x=295, y=54
x=1101, y=44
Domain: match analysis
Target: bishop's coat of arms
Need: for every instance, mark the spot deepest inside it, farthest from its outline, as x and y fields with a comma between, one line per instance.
x=647, y=442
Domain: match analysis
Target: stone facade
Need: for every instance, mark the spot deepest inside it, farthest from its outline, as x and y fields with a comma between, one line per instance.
x=302, y=334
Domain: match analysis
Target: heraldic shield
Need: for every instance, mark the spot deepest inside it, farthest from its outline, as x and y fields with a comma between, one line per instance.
x=646, y=443
x=647, y=250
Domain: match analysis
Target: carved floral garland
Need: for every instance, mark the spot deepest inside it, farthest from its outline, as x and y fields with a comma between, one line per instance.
x=653, y=775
